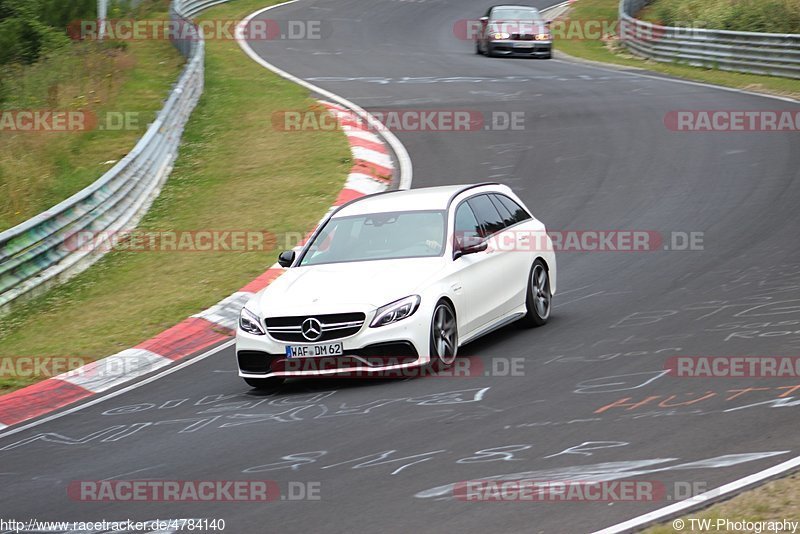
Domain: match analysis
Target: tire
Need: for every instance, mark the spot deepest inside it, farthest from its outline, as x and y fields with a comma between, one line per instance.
x=478, y=48
x=549, y=55
x=489, y=51
x=264, y=384
x=444, y=336
x=539, y=299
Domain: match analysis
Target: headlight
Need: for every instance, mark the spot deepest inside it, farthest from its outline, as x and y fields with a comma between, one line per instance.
x=543, y=37
x=501, y=35
x=250, y=323
x=396, y=311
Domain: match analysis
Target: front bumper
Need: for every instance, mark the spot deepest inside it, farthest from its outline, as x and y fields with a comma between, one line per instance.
x=509, y=47
x=373, y=360
x=370, y=351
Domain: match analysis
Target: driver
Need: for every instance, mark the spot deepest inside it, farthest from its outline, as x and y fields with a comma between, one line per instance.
x=433, y=238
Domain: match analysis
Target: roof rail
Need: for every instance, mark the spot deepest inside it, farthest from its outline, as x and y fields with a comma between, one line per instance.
x=467, y=188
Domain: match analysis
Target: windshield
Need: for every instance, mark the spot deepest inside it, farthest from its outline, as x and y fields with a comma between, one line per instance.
x=378, y=236
x=516, y=13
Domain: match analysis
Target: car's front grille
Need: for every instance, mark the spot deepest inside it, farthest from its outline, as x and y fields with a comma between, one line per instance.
x=521, y=51
x=330, y=326
x=375, y=356
x=522, y=37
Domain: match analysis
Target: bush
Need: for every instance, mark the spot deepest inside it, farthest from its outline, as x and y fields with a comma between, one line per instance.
x=772, y=16
x=24, y=40
x=59, y=13
x=30, y=29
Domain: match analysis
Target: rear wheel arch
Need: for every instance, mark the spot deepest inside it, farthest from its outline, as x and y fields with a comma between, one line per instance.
x=546, y=265
x=547, y=268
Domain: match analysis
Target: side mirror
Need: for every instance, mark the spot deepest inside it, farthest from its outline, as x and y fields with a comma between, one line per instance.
x=484, y=20
x=469, y=244
x=286, y=258
x=548, y=22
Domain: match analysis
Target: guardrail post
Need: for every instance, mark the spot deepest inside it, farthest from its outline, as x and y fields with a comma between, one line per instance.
x=102, y=15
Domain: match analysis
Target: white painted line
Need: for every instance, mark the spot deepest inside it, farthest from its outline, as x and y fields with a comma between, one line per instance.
x=551, y=8
x=559, y=8
x=404, y=160
x=364, y=184
x=135, y=385
x=226, y=312
x=371, y=156
x=704, y=499
x=2, y=426
x=102, y=375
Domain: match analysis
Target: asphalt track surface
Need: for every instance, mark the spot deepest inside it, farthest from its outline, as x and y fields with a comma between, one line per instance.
x=594, y=155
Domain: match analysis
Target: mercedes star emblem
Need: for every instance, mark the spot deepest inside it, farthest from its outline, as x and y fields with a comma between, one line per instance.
x=312, y=329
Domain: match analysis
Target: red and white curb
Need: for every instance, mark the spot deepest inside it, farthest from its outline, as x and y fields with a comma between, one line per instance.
x=372, y=172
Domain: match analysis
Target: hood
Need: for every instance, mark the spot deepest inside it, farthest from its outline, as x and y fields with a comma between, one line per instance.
x=344, y=287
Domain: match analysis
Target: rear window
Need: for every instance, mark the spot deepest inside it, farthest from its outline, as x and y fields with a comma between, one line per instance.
x=518, y=212
x=508, y=218
x=487, y=215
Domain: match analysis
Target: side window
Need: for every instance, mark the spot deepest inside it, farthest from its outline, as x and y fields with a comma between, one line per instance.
x=516, y=210
x=465, y=223
x=487, y=215
x=508, y=219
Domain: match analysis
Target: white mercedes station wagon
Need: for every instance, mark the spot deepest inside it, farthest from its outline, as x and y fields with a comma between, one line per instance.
x=399, y=280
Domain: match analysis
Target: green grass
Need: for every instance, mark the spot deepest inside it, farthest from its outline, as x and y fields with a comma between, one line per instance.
x=235, y=171
x=607, y=51
x=772, y=16
x=40, y=169
x=774, y=501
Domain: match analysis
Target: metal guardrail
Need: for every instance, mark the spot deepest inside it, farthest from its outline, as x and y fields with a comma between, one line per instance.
x=42, y=250
x=773, y=54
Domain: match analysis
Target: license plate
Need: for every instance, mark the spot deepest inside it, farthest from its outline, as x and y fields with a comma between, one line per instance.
x=311, y=351
x=523, y=45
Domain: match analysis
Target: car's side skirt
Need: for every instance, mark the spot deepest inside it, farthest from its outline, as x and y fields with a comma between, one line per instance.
x=500, y=323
